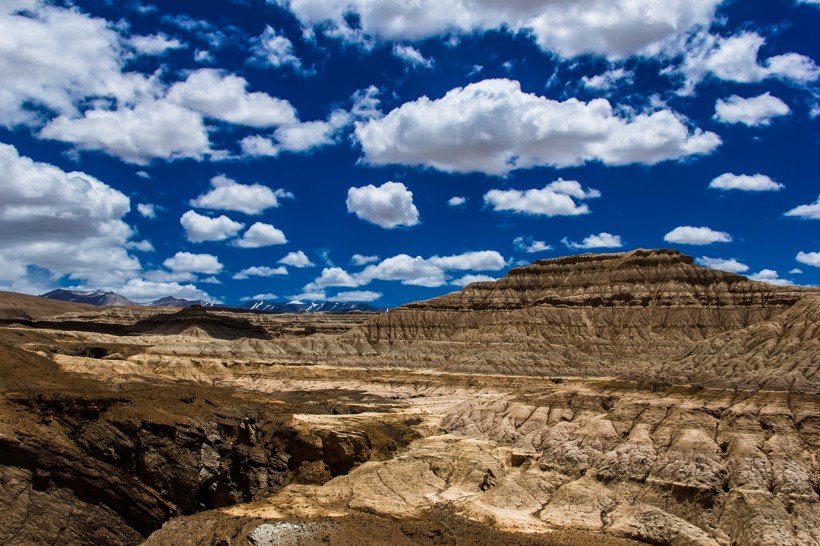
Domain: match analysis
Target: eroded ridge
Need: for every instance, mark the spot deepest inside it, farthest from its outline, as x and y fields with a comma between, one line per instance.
x=596, y=399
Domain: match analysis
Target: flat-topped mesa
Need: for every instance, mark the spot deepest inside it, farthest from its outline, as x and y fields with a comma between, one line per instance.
x=644, y=278
x=578, y=315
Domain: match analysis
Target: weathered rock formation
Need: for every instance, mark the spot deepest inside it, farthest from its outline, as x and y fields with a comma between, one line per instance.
x=21, y=307
x=587, y=315
x=591, y=399
x=87, y=462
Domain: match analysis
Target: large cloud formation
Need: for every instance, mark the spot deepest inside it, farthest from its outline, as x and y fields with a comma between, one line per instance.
x=690, y=235
x=151, y=129
x=389, y=205
x=228, y=194
x=735, y=59
x=614, y=28
x=66, y=222
x=554, y=199
x=224, y=97
x=756, y=111
x=494, y=127
x=54, y=57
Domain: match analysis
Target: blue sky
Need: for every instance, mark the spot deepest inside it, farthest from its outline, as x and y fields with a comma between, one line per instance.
x=388, y=151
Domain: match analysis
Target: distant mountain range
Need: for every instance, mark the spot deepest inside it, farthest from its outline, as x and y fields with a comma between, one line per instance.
x=171, y=301
x=95, y=297
x=312, y=307
x=107, y=299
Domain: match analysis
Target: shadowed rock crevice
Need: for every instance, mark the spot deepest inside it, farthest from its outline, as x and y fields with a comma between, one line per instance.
x=133, y=456
x=196, y=321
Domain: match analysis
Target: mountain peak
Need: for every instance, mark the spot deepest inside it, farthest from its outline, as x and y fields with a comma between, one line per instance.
x=171, y=301
x=91, y=297
x=311, y=307
x=583, y=314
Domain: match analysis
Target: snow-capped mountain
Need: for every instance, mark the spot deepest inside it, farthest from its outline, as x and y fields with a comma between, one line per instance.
x=91, y=297
x=311, y=307
x=103, y=298
x=171, y=301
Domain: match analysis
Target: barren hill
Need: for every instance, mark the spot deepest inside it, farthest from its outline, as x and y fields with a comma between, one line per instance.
x=609, y=399
x=15, y=306
x=591, y=314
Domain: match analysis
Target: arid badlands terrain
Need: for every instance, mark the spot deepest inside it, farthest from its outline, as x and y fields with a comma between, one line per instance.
x=597, y=399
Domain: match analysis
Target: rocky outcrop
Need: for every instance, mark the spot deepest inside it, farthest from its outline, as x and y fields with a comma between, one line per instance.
x=594, y=314
x=600, y=398
x=83, y=462
x=159, y=320
x=196, y=321
x=783, y=352
x=678, y=467
x=672, y=467
x=16, y=307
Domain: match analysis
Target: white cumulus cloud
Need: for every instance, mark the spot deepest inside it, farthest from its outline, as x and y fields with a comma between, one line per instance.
x=56, y=57
x=745, y=182
x=770, y=276
x=482, y=260
x=808, y=258
x=735, y=59
x=429, y=272
x=147, y=210
x=731, y=265
x=260, y=235
x=529, y=245
x=261, y=297
x=199, y=228
x=356, y=295
x=276, y=50
x=258, y=146
x=359, y=259
x=388, y=206
x=755, y=111
x=457, y=201
x=187, y=262
x=409, y=270
x=613, y=28
x=331, y=276
x=65, y=222
x=494, y=127
x=141, y=290
x=155, y=129
x=228, y=194
x=155, y=44
x=607, y=80
x=412, y=56
x=807, y=212
x=689, y=235
x=142, y=246
x=297, y=259
x=554, y=199
x=260, y=271
x=601, y=240
x=225, y=97
x=469, y=279
x=306, y=136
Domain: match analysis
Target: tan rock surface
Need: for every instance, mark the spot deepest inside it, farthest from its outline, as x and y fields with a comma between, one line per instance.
x=602, y=399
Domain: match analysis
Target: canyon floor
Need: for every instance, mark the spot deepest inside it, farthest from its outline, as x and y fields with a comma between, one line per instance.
x=630, y=398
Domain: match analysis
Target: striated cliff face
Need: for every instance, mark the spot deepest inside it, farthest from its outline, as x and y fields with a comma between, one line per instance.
x=591, y=314
x=782, y=352
x=96, y=462
x=692, y=417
